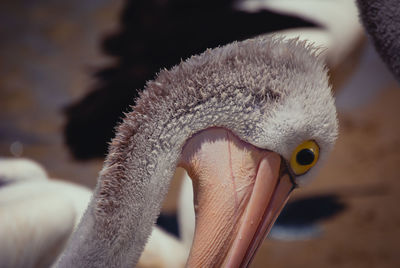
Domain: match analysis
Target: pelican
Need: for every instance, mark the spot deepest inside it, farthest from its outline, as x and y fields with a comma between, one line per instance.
x=249, y=121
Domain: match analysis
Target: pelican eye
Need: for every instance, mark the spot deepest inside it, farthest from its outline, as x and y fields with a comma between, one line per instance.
x=304, y=157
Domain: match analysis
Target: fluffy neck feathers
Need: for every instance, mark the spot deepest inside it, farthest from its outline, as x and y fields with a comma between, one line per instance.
x=234, y=87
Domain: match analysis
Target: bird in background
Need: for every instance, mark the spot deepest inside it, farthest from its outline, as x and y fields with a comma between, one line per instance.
x=38, y=215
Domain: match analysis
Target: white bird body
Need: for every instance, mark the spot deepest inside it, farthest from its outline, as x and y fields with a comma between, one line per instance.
x=339, y=30
x=38, y=215
x=20, y=169
x=163, y=251
x=36, y=220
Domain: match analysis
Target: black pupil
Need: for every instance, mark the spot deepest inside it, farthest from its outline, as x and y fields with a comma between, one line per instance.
x=305, y=157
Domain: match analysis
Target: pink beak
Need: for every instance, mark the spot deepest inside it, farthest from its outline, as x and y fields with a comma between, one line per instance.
x=239, y=191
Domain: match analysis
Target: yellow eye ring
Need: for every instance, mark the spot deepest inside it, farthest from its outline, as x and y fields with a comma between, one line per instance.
x=304, y=157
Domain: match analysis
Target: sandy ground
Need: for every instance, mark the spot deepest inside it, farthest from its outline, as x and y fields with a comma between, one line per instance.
x=47, y=53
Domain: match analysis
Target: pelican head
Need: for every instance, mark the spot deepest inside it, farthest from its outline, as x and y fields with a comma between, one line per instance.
x=249, y=121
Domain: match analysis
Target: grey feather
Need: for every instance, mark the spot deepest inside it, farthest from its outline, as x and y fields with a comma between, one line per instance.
x=381, y=20
x=269, y=92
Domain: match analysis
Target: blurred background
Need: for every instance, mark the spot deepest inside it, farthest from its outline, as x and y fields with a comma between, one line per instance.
x=51, y=49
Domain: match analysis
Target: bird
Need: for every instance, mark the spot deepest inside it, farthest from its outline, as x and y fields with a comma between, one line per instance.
x=38, y=215
x=20, y=169
x=250, y=122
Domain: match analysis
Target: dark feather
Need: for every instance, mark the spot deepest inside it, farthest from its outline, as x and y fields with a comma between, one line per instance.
x=381, y=20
